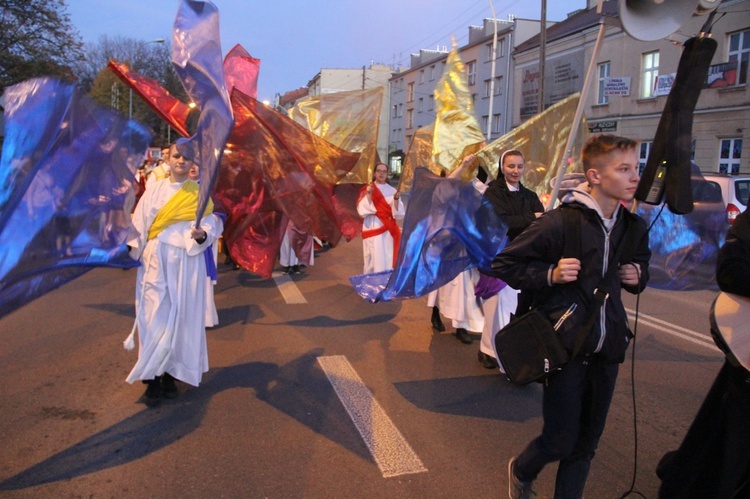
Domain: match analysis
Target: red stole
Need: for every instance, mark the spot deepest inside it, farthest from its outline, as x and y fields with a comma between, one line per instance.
x=385, y=215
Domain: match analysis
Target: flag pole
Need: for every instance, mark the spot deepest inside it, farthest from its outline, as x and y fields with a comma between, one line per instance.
x=579, y=109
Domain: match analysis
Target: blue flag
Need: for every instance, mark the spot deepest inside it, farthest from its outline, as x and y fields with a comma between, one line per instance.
x=197, y=60
x=66, y=191
x=449, y=227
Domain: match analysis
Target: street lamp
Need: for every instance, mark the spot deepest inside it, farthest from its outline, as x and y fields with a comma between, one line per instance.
x=130, y=100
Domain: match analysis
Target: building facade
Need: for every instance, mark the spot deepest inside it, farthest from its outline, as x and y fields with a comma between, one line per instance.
x=412, y=102
x=633, y=78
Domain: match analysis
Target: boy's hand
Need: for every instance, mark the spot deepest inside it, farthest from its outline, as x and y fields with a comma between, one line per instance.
x=566, y=270
x=629, y=273
x=198, y=234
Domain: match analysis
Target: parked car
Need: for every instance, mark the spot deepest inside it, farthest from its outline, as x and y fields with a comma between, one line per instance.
x=735, y=190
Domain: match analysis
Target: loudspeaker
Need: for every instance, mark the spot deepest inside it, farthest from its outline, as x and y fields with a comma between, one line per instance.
x=651, y=20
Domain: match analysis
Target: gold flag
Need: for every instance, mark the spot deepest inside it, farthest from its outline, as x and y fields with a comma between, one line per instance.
x=457, y=131
x=348, y=120
x=419, y=155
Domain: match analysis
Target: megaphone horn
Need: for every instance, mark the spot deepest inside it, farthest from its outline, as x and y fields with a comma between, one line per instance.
x=651, y=20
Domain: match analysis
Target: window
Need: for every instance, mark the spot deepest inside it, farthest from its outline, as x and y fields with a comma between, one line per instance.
x=495, y=123
x=421, y=76
x=432, y=72
x=400, y=110
x=730, y=151
x=650, y=72
x=430, y=102
x=739, y=50
x=603, y=73
x=395, y=111
x=471, y=72
x=409, y=118
x=484, y=123
x=501, y=47
x=498, y=85
x=487, y=87
x=474, y=99
x=643, y=155
x=489, y=53
x=410, y=92
x=420, y=105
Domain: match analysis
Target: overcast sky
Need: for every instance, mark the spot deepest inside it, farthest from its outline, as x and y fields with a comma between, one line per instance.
x=295, y=39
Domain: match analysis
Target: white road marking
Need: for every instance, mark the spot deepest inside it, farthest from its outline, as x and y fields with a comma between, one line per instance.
x=288, y=289
x=388, y=447
x=674, y=330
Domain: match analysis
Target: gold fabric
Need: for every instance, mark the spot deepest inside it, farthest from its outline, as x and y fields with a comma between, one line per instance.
x=542, y=140
x=457, y=131
x=419, y=155
x=348, y=120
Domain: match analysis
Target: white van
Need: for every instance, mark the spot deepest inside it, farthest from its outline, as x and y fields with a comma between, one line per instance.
x=735, y=189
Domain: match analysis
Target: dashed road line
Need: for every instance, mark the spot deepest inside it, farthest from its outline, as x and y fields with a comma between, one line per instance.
x=392, y=453
x=288, y=289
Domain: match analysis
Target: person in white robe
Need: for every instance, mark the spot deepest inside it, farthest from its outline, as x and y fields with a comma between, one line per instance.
x=294, y=241
x=171, y=283
x=456, y=300
x=380, y=207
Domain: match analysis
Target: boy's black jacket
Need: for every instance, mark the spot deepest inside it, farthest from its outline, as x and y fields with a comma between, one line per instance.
x=525, y=262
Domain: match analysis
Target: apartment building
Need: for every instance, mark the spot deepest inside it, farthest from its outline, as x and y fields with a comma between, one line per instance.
x=633, y=79
x=412, y=101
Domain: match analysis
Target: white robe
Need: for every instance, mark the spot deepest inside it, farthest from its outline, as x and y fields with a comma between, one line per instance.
x=170, y=291
x=497, y=310
x=457, y=302
x=378, y=250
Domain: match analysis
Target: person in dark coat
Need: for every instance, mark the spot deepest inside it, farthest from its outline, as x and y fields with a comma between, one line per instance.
x=517, y=207
x=576, y=399
x=714, y=458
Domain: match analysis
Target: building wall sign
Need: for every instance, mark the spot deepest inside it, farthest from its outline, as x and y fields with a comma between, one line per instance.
x=603, y=126
x=664, y=84
x=563, y=77
x=617, y=86
x=721, y=75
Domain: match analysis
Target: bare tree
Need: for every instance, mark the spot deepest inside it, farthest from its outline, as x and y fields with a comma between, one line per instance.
x=36, y=39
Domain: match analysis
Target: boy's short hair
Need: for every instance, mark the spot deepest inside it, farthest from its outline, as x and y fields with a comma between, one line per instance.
x=599, y=146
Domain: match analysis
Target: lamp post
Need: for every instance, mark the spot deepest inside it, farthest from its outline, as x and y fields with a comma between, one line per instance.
x=130, y=100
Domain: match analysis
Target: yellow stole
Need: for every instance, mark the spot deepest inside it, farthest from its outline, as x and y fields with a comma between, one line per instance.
x=180, y=208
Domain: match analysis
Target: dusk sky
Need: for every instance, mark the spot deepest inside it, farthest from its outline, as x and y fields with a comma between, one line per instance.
x=295, y=39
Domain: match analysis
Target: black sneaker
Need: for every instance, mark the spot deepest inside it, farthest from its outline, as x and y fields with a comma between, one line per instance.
x=464, y=336
x=152, y=395
x=516, y=488
x=168, y=386
x=437, y=324
x=295, y=270
x=488, y=361
x=285, y=270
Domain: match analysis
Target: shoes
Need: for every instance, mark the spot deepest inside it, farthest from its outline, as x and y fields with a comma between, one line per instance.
x=295, y=270
x=437, y=324
x=464, y=336
x=168, y=386
x=516, y=488
x=152, y=396
x=285, y=270
x=236, y=266
x=487, y=361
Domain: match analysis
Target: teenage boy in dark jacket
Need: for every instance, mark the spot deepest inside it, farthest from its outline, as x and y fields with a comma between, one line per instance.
x=576, y=399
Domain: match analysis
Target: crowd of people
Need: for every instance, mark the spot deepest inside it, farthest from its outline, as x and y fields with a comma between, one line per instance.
x=531, y=271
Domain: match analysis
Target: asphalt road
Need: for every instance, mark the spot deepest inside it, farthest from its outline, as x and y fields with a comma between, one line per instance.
x=267, y=420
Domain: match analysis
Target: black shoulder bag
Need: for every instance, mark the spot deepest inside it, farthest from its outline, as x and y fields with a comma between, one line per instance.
x=529, y=347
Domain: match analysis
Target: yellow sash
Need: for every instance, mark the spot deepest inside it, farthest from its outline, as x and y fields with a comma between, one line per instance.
x=180, y=208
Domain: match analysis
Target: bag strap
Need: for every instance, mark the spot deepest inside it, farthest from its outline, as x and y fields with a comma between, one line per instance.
x=572, y=249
